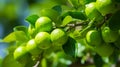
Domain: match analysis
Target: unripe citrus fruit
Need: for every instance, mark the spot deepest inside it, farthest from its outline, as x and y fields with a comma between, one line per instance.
x=92, y=12
x=93, y=37
x=43, y=41
x=109, y=35
x=20, y=52
x=32, y=47
x=43, y=24
x=58, y=37
x=105, y=6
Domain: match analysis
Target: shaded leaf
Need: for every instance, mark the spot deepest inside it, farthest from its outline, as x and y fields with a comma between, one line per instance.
x=114, y=22
x=98, y=61
x=75, y=14
x=69, y=47
x=58, y=8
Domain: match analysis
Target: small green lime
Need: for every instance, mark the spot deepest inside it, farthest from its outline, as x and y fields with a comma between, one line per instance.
x=58, y=37
x=109, y=35
x=93, y=37
x=43, y=41
x=19, y=52
x=32, y=47
x=43, y=24
x=105, y=6
x=92, y=12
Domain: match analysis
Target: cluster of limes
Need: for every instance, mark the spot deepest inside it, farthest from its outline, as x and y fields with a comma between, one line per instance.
x=42, y=37
x=100, y=8
x=102, y=39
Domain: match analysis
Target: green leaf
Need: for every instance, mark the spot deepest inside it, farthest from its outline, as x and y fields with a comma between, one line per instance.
x=114, y=22
x=16, y=36
x=58, y=8
x=10, y=62
x=20, y=28
x=21, y=33
x=66, y=20
x=98, y=61
x=43, y=62
x=69, y=47
x=21, y=36
x=78, y=15
x=75, y=14
x=32, y=19
x=10, y=38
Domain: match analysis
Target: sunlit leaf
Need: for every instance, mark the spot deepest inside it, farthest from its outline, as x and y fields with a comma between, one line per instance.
x=10, y=62
x=10, y=38
x=66, y=20
x=44, y=62
x=32, y=19
x=21, y=36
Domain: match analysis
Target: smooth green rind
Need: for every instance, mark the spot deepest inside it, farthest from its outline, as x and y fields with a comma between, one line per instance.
x=93, y=38
x=58, y=37
x=43, y=41
x=43, y=24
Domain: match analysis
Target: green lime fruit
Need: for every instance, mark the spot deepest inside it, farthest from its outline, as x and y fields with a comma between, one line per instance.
x=21, y=55
x=93, y=37
x=43, y=24
x=104, y=50
x=109, y=35
x=105, y=6
x=92, y=12
x=58, y=37
x=32, y=47
x=43, y=41
x=20, y=52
